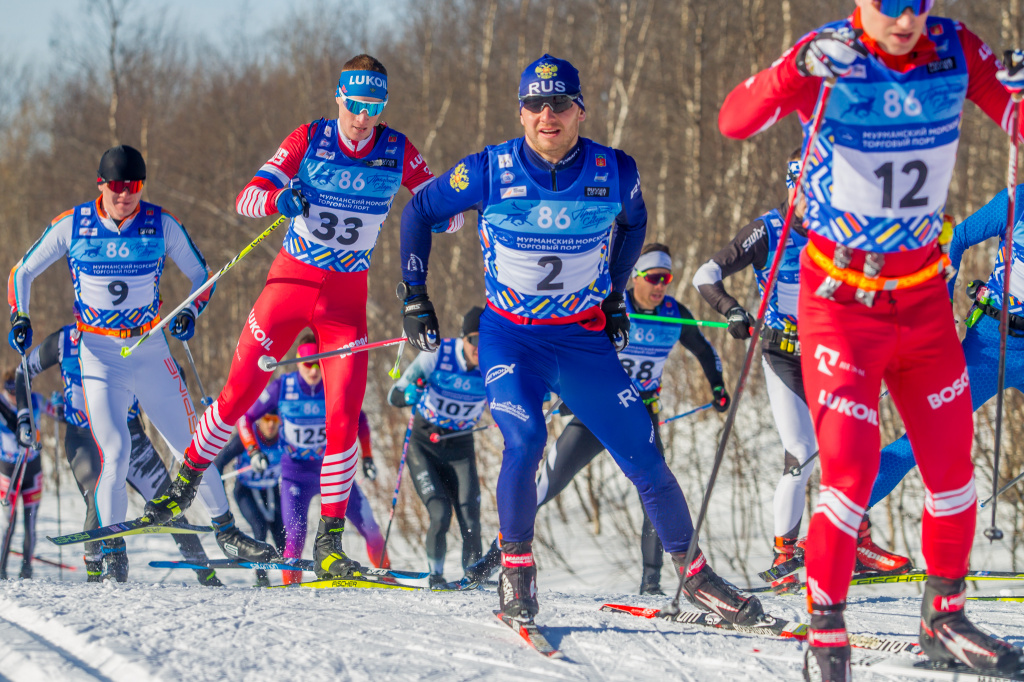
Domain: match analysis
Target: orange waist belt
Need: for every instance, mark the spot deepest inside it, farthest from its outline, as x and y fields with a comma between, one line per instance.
x=119, y=333
x=859, y=280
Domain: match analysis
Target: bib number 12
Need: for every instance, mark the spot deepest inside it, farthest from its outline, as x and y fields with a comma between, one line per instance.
x=910, y=199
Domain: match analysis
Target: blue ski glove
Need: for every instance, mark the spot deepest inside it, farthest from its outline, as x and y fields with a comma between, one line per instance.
x=412, y=394
x=184, y=325
x=1012, y=73
x=20, y=336
x=616, y=321
x=290, y=202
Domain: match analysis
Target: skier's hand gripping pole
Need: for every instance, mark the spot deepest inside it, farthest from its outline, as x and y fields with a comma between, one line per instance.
x=993, y=532
x=269, y=364
x=673, y=607
x=128, y=350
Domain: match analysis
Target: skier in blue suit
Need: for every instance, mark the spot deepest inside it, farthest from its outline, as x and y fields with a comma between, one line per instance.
x=561, y=223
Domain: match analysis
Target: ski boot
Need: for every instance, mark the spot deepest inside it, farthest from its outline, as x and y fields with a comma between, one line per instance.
x=827, y=656
x=948, y=637
x=208, y=577
x=328, y=557
x=437, y=580
x=874, y=559
x=93, y=569
x=26, y=569
x=785, y=549
x=178, y=497
x=237, y=545
x=517, y=585
x=708, y=592
x=262, y=579
x=650, y=583
x=115, y=560
x=484, y=568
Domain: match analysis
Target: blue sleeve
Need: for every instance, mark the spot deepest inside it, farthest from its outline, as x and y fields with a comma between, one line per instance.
x=630, y=224
x=459, y=189
x=266, y=403
x=987, y=222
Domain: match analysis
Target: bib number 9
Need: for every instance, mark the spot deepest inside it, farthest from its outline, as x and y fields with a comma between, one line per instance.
x=119, y=290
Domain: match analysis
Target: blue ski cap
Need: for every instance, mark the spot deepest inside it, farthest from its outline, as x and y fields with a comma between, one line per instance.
x=362, y=84
x=551, y=76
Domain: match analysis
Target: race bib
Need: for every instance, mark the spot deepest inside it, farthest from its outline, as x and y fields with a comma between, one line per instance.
x=117, y=292
x=541, y=273
x=338, y=229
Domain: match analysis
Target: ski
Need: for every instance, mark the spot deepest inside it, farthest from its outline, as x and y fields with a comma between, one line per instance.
x=914, y=575
x=47, y=561
x=382, y=582
x=289, y=565
x=780, y=571
x=531, y=634
x=134, y=527
x=769, y=627
x=906, y=667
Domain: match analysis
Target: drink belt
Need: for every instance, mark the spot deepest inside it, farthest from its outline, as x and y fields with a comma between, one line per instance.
x=591, y=318
x=785, y=340
x=119, y=333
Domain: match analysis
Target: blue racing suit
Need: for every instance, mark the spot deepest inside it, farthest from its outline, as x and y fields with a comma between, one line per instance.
x=556, y=239
x=981, y=344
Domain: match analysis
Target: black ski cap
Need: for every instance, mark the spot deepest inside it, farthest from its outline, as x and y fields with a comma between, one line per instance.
x=122, y=163
x=471, y=322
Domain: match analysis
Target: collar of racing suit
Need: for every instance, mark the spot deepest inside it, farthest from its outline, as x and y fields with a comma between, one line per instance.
x=924, y=51
x=554, y=176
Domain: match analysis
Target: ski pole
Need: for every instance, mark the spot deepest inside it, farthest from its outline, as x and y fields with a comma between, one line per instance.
x=1002, y=490
x=268, y=364
x=127, y=350
x=56, y=481
x=685, y=414
x=677, y=320
x=236, y=472
x=205, y=400
x=993, y=532
x=437, y=437
x=395, y=373
x=398, y=483
x=9, y=535
x=673, y=608
x=795, y=471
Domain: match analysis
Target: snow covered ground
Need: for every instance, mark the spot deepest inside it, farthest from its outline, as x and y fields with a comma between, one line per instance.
x=162, y=626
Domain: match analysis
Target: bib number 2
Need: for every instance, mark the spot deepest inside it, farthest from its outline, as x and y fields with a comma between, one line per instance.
x=549, y=283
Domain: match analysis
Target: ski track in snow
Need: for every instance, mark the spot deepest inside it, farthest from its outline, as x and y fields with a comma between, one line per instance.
x=161, y=625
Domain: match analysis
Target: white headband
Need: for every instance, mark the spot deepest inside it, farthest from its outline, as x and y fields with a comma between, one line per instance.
x=652, y=259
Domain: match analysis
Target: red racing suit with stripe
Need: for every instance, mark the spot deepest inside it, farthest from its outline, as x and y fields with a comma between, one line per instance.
x=907, y=337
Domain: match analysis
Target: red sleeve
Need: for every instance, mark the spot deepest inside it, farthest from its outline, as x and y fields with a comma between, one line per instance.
x=245, y=432
x=415, y=174
x=364, y=436
x=254, y=200
x=769, y=96
x=982, y=87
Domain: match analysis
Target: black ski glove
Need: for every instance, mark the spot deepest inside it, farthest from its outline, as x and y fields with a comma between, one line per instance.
x=25, y=435
x=419, y=321
x=721, y=400
x=616, y=321
x=739, y=322
x=369, y=469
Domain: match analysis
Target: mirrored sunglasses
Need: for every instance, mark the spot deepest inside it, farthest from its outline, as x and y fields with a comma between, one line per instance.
x=357, y=107
x=895, y=8
x=557, y=103
x=473, y=339
x=118, y=186
x=656, y=278
x=311, y=365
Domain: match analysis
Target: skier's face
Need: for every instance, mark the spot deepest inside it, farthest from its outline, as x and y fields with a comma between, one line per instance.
x=646, y=294
x=470, y=351
x=896, y=36
x=357, y=127
x=119, y=205
x=310, y=372
x=552, y=135
x=269, y=427
x=801, y=203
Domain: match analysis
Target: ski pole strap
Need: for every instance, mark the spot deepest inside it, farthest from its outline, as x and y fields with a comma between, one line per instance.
x=678, y=320
x=119, y=333
x=859, y=280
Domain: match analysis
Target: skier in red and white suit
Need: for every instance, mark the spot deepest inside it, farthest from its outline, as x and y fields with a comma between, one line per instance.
x=876, y=185
x=337, y=180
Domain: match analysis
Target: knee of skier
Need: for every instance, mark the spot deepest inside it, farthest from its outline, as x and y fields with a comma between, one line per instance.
x=440, y=511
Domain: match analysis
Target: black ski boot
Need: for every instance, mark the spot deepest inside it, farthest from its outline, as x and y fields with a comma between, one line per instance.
x=26, y=569
x=708, y=592
x=517, y=586
x=948, y=637
x=237, y=545
x=650, y=583
x=178, y=497
x=115, y=560
x=328, y=557
x=262, y=579
x=827, y=657
x=94, y=570
x=437, y=580
x=208, y=577
x=484, y=568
